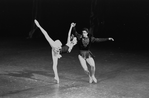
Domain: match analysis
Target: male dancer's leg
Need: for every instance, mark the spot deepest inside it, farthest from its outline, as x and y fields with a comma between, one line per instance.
x=91, y=62
x=84, y=65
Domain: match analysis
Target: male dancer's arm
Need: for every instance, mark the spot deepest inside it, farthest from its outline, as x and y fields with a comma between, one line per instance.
x=51, y=42
x=76, y=34
x=93, y=39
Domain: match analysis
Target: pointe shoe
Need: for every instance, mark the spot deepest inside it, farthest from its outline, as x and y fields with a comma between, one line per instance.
x=90, y=79
x=94, y=79
x=57, y=80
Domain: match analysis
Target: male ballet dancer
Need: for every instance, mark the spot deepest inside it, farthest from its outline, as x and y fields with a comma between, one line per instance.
x=57, y=47
x=85, y=56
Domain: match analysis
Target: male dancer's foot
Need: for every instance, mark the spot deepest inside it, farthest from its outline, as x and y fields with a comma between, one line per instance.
x=90, y=79
x=93, y=74
x=94, y=79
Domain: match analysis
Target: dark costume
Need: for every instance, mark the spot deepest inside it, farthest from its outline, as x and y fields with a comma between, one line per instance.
x=64, y=49
x=84, y=43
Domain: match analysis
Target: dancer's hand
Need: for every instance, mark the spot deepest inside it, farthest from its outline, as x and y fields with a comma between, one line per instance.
x=59, y=56
x=111, y=39
x=73, y=24
x=37, y=23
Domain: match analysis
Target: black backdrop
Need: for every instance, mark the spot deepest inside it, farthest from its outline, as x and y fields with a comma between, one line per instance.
x=124, y=20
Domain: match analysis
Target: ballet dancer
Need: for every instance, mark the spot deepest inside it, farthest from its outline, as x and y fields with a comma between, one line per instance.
x=85, y=56
x=57, y=48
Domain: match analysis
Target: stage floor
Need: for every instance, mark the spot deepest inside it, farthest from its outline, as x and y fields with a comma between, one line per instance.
x=26, y=72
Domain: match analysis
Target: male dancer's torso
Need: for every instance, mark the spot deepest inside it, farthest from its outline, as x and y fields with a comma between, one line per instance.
x=84, y=43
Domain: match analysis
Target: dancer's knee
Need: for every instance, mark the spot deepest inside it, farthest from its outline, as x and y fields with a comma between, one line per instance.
x=85, y=68
x=91, y=62
x=83, y=62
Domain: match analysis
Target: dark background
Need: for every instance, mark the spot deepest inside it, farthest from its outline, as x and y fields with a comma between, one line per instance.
x=127, y=21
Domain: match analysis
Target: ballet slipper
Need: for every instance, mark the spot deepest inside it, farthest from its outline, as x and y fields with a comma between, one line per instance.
x=94, y=79
x=90, y=79
x=57, y=80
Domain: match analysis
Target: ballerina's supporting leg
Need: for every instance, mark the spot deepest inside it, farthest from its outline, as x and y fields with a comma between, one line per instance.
x=55, y=63
x=55, y=51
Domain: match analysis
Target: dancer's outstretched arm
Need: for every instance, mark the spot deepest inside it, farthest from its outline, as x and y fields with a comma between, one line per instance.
x=51, y=42
x=73, y=42
x=111, y=39
x=69, y=33
x=93, y=39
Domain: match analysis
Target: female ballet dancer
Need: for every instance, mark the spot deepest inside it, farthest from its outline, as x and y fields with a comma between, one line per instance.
x=57, y=48
x=85, y=56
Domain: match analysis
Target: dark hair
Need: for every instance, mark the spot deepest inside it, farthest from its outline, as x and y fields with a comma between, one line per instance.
x=85, y=29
